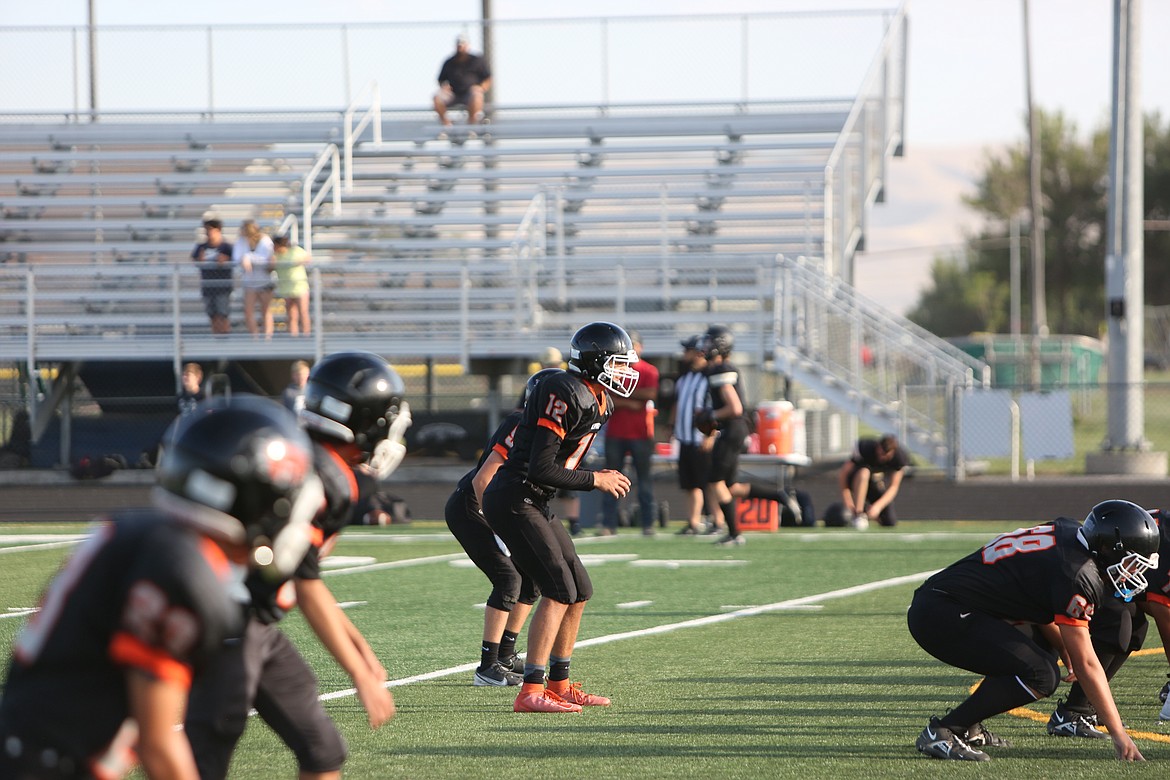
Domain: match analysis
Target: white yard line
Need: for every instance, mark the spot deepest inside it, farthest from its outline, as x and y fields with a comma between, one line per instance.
x=41, y=546
x=670, y=627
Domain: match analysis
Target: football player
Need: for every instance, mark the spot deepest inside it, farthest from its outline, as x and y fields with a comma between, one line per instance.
x=725, y=426
x=513, y=592
x=355, y=416
x=559, y=424
x=1118, y=630
x=143, y=605
x=1053, y=576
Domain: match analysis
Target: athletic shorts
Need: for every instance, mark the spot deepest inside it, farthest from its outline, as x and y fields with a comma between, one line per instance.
x=694, y=466
x=541, y=546
x=217, y=302
x=471, y=530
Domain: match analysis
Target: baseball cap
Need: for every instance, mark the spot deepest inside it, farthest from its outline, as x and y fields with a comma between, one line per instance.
x=690, y=342
x=462, y=39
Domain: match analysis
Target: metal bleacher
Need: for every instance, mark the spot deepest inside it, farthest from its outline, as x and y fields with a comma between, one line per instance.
x=472, y=244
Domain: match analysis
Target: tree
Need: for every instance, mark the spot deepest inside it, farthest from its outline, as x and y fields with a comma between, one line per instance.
x=1075, y=188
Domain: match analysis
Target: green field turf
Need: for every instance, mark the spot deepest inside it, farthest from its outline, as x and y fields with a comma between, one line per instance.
x=788, y=657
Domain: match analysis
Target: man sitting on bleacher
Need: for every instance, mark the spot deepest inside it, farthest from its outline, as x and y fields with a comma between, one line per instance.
x=463, y=80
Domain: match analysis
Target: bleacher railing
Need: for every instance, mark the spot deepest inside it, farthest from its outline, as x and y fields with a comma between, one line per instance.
x=856, y=169
x=371, y=117
x=213, y=70
x=331, y=186
x=876, y=363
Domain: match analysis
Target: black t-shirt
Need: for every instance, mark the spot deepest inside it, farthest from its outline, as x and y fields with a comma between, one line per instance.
x=866, y=454
x=720, y=375
x=216, y=275
x=142, y=592
x=188, y=401
x=558, y=425
x=462, y=76
x=1035, y=575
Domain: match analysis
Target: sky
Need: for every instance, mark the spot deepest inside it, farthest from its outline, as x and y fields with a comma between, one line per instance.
x=965, y=82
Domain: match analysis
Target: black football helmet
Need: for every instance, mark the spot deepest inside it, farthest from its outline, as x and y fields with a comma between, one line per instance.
x=1123, y=538
x=537, y=378
x=604, y=352
x=718, y=340
x=240, y=469
x=353, y=397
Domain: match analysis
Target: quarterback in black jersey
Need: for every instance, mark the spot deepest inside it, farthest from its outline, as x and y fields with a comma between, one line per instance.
x=142, y=607
x=555, y=432
x=1051, y=579
x=353, y=412
x=513, y=592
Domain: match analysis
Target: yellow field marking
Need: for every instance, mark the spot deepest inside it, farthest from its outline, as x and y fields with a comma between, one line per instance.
x=1027, y=714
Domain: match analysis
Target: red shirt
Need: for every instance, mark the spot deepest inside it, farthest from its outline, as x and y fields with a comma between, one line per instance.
x=631, y=423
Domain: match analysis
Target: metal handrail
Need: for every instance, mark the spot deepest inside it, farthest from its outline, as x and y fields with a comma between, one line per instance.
x=309, y=202
x=372, y=115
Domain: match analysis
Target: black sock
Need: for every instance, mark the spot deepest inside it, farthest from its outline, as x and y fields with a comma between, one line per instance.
x=558, y=669
x=534, y=674
x=993, y=696
x=1077, y=700
x=489, y=653
x=728, y=511
x=508, y=644
x=757, y=491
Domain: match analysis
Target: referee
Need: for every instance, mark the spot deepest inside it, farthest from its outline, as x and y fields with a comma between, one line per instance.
x=694, y=461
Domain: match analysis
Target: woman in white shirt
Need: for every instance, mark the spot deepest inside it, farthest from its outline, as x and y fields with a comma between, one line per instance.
x=253, y=254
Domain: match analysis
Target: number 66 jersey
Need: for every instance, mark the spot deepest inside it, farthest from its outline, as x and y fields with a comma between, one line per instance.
x=1039, y=575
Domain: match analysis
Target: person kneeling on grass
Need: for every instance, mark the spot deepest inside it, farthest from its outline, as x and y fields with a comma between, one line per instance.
x=1009, y=609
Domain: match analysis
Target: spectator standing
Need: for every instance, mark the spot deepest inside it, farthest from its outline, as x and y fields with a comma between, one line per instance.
x=870, y=481
x=214, y=257
x=293, y=396
x=463, y=80
x=292, y=283
x=253, y=254
x=694, y=461
x=191, y=392
x=630, y=431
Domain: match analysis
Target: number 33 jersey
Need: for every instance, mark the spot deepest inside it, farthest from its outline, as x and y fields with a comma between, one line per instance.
x=141, y=592
x=1035, y=575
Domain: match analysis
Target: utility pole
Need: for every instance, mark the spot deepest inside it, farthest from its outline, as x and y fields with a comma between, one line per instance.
x=93, y=95
x=486, y=22
x=1125, y=449
x=1036, y=205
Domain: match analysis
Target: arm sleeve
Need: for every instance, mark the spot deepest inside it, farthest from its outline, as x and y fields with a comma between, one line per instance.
x=543, y=468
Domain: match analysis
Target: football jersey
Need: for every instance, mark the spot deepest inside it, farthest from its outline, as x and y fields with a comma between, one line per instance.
x=141, y=592
x=1158, y=577
x=500, y=442
x=1035, y=575
x=573, y=411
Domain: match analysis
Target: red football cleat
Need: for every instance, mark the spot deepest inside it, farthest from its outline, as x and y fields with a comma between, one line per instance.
x=574, y=695
x=541, y=700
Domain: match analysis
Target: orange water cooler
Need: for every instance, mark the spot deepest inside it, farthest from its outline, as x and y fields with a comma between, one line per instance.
x=775, y=427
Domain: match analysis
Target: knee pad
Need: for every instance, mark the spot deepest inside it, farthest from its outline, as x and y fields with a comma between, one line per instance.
x=1043, y=678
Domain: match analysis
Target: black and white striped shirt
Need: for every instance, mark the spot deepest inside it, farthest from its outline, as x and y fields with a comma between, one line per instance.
x=690, y=393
